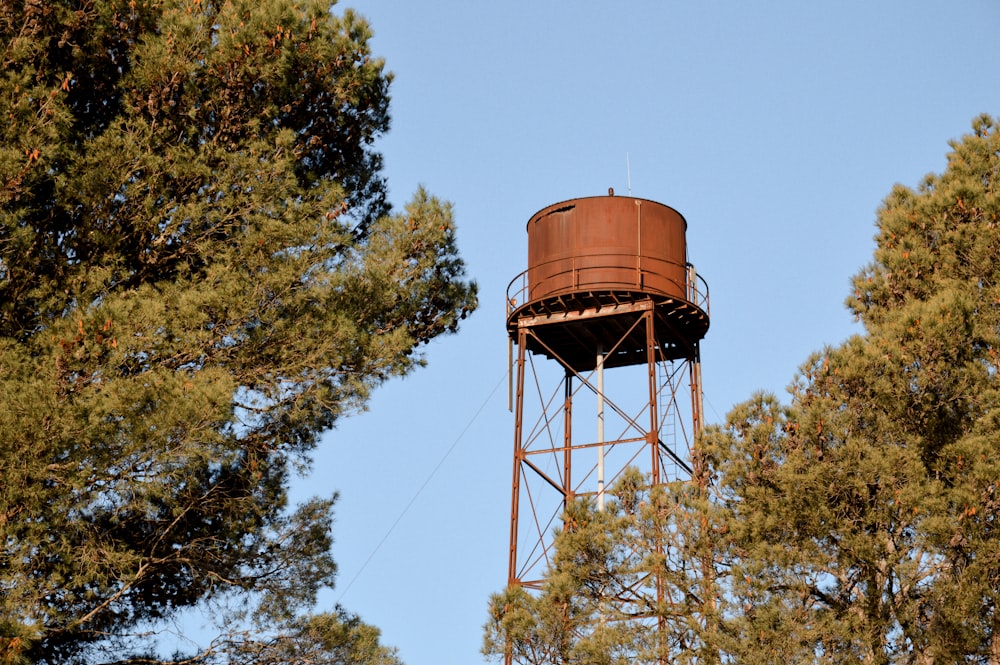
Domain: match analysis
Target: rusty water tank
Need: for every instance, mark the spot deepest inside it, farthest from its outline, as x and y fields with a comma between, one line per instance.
x=595, y=265
x=613, y=243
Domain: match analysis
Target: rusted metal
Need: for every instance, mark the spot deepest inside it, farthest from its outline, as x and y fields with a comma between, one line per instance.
x=599, y=255
x=608, y=243
x=654, y=406
x=608, y=283
x=512, y=565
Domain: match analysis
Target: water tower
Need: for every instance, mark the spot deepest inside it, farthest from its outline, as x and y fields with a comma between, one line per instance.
x=606, y=323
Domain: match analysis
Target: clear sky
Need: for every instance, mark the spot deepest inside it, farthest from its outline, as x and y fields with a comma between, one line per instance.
x=775, y=128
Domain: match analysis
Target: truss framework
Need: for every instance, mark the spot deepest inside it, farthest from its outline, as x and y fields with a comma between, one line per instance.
x=653, y=346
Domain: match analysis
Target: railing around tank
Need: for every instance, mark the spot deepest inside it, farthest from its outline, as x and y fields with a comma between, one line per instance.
x=694, y=288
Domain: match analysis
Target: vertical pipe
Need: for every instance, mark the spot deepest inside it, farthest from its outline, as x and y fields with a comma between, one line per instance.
x=697, y=418
x=638, y=244
x=568, y=440
x=700, y=473
x=600, y=428
x=653, y=435
x=510, y=373
x=512, y=571
x=653, y=439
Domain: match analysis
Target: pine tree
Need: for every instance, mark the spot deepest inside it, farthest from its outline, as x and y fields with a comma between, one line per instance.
x=860, y=518
x=199, y=274
x=625, y=586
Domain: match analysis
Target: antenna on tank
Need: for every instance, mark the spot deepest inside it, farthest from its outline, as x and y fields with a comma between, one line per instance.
x=628, y=174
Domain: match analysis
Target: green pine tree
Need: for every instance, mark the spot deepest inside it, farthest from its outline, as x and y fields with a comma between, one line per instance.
x=199, y=275
x=627, y=585
x=859, y=519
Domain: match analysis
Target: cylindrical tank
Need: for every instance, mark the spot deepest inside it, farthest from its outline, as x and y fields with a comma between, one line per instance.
x=607, y=243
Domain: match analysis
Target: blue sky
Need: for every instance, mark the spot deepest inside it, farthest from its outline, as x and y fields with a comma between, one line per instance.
x=775, y=128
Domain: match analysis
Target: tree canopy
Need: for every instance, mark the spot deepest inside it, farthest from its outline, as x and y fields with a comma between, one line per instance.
x=857, y=523
x=199, y=274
